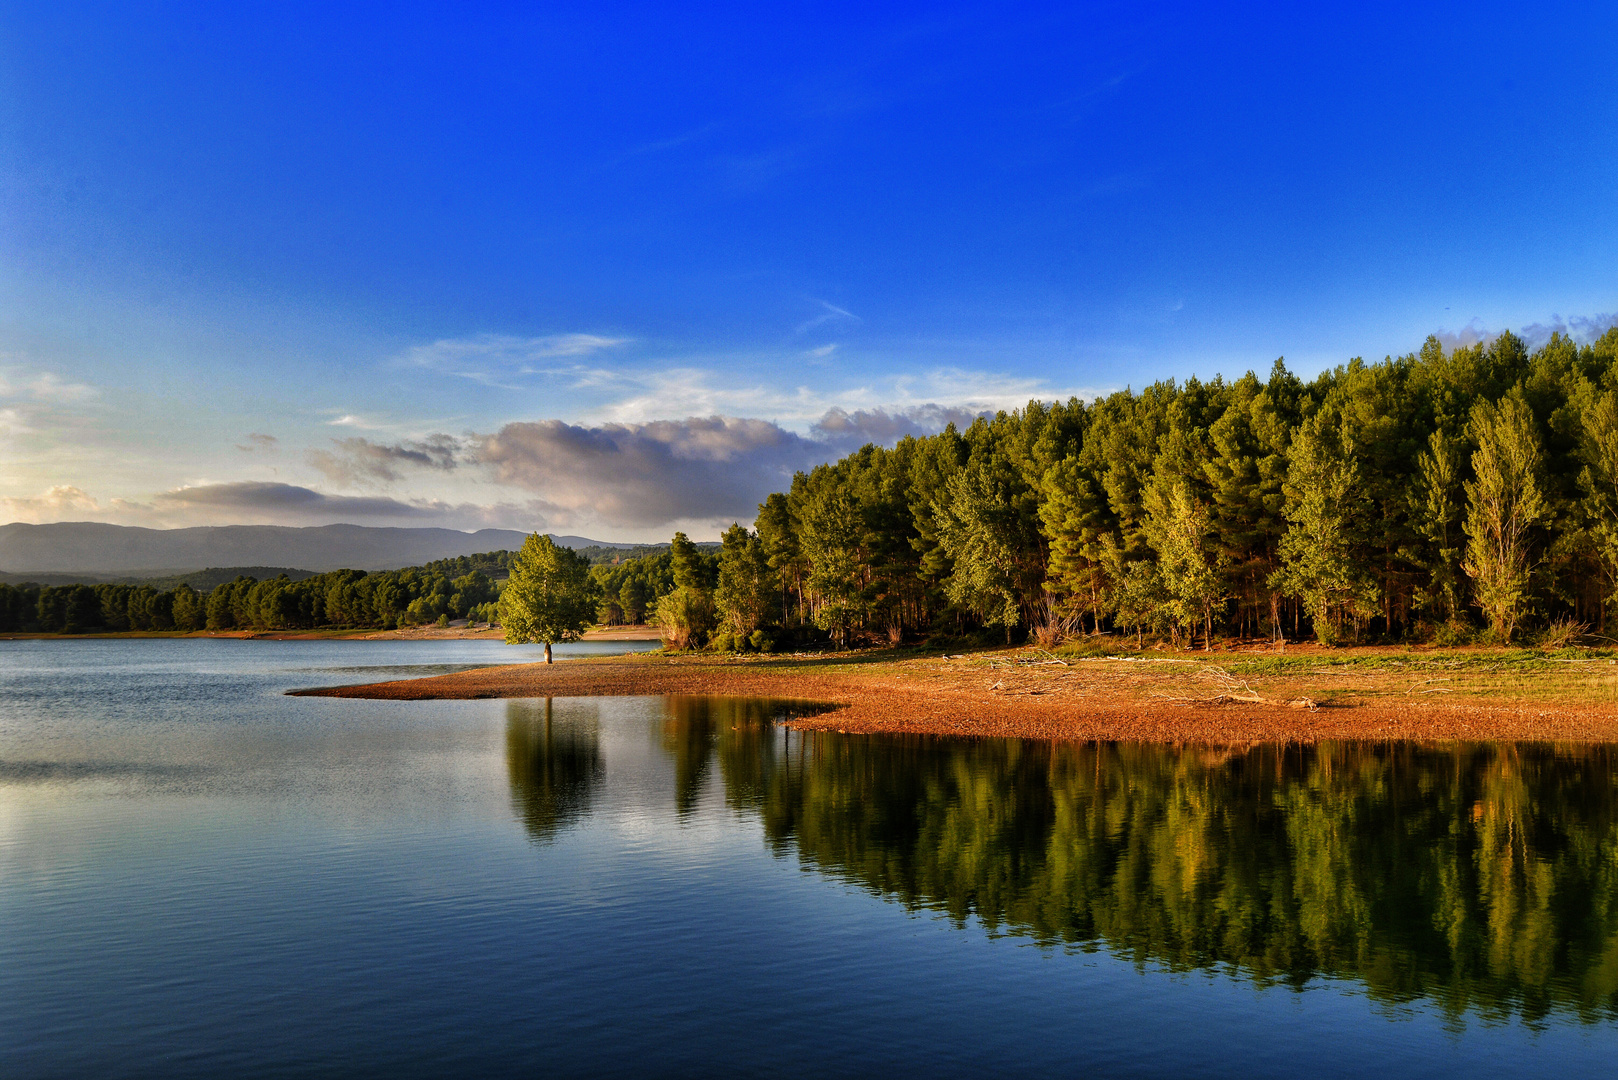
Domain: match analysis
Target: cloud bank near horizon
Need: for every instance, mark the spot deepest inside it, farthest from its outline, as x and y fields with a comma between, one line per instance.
x=634, y=479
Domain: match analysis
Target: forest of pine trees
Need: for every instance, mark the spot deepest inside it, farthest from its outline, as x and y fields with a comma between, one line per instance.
x=1437, y=496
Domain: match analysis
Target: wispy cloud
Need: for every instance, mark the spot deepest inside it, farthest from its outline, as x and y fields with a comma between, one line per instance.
x=827, y=313
x=47, y=386
x=40, y=405
x=354, y=420
x=697, y=391
x=19, y=382
x=497, y=359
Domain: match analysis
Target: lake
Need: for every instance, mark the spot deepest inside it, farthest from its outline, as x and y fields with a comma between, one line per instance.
x=202, y=876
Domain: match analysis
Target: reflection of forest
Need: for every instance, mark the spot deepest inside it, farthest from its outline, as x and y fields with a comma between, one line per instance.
x=555, y=764
x=1484, y=877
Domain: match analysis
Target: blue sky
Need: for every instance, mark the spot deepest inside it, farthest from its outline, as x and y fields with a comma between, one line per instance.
x=618, y=269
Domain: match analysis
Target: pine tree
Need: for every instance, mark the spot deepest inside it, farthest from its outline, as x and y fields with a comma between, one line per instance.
x=1598, y=480
x=1072, y=517
x=1191, y=573
x=1504, y=504
x=831, y=542
x=992, y=573
x=778, y=532
x=1438, y=512
x=745, y=596
x=1320, y=562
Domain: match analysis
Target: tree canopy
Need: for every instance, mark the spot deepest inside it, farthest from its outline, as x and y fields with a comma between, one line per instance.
x=550, y=596
x=1441, y=493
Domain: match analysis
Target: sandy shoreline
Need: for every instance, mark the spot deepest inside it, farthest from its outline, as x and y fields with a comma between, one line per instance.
x=415, y=633
x=1184, y=698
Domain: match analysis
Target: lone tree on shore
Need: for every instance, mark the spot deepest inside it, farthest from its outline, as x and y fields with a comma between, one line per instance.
x=550, y=596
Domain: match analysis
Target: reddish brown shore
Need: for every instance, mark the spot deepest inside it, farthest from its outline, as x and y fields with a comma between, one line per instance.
x=1252, y=697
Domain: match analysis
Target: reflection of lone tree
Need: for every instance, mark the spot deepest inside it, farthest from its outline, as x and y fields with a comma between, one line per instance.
x=555, y=768
x=550, y=596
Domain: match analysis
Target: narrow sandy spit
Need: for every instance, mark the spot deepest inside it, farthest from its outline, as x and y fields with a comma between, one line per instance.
x=1179, y=700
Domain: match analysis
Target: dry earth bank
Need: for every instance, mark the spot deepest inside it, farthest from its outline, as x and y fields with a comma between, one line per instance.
x=1301, y=693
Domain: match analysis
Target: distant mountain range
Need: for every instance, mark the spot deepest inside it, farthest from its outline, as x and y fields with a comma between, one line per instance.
x=94, y=549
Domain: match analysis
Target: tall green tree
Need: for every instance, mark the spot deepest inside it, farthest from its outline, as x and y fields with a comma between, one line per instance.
x=778, y=532
x=745, y=598
x=995, y=569
x=1072, y=515
x=1321, y=561
x=831, y=535
x=1191, y=569
x=549, y=598
x=1438, y=512
x=1504, y=504
x=1598, y=481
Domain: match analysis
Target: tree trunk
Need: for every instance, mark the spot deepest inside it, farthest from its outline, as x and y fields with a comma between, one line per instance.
x=548, y=652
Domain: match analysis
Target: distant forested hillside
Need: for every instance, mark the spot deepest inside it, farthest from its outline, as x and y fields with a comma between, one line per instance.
x=98, y=551
x=463, y=587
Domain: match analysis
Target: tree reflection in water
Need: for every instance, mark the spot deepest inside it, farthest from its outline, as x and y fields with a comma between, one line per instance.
x=555, y=764
x=1483, y=877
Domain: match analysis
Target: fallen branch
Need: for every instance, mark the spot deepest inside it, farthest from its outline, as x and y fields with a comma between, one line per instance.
x=1134, y=660
x=1243, y=699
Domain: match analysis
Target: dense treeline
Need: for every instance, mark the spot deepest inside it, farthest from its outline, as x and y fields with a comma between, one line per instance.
x=467, y=586
x=342, y=598
x=497, y=564
x=1424, y=496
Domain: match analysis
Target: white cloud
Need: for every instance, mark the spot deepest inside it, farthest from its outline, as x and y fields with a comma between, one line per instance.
x=20, y=382
x=47, y=386
x=686, y=391
x=639, y=475
x=354, y=420
x=847, y=431
x=1581, y=328
x=58, y=503
x=14, y=423
x=713, y=468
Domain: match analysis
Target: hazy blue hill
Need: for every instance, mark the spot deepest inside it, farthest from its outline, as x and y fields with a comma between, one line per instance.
x=83, y=550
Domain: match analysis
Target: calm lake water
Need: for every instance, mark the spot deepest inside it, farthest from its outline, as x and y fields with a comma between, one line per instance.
x=201, y=876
